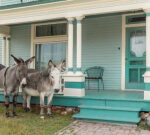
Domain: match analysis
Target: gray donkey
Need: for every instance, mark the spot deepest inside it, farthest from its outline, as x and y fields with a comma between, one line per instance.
x=10, y=80
x=43, y=84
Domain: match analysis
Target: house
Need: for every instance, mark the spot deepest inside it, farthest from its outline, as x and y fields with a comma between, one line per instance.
x=114, y=34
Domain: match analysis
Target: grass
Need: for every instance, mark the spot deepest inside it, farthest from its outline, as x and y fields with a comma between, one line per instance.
x=31, y=124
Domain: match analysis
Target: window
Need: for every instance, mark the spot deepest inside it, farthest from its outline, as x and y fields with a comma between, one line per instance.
x=52, y=51
x=51, y=30
x=134, y=19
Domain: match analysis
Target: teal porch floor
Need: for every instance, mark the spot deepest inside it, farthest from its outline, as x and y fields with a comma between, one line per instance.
x=115, y=94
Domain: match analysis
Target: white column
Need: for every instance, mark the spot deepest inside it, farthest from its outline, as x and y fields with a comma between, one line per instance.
x=79, y=44
x=147, y=73
x=4, y=51
x=7, y=51
x=70, y=46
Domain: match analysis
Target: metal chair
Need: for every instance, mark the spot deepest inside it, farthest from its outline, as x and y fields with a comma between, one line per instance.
x=95, y=73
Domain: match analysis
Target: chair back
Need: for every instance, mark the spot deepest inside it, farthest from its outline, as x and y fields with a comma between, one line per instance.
x=95, y=71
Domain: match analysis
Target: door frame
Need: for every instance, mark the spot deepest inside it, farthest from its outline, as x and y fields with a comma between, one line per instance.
x=123, y=61
x=47, y=39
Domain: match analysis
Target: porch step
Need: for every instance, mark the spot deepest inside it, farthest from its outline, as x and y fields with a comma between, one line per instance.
x=110, y=114
x=115, y=102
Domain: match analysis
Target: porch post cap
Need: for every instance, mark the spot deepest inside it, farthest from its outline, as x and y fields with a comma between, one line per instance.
x=70, y=18
x=146, y=10
x=80, y=17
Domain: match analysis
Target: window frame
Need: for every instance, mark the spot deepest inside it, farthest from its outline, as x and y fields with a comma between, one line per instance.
x=47, y=39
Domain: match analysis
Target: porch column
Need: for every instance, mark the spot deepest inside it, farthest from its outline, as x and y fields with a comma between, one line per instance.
x=7, y=51
x=74, y=83
x=79, y=45
x=4, y=51
x=147, y=73
x=70, y=46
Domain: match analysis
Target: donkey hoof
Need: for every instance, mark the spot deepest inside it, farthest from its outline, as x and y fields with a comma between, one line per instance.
x=50, y=115
x=27, y=109
x=42, y=117
x=7, y=115
x=15, y=115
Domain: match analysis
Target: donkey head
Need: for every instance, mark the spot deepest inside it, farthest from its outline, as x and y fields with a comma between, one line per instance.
x=55, y=74
x=22, y=69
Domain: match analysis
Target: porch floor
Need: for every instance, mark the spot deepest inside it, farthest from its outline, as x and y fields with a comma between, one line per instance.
x=115, y=94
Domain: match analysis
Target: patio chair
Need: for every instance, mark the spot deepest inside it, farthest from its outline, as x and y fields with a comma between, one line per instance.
x=95, y=73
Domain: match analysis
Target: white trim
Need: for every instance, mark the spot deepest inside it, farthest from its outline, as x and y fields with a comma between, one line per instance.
x=123, y=53
x=32, y=65
x=74, y=92
x=124, y=26
x=7, y=51
x=146, y=95
x=4, y=51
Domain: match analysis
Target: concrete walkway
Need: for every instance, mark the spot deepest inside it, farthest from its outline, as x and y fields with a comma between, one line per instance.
x=79, y=127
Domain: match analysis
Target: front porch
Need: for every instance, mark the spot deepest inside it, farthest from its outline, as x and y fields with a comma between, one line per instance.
x=108, y=105
x=115, y=39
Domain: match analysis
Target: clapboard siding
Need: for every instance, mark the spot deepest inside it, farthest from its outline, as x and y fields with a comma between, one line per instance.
x=1, y=38
x=102, y=47
x=20, y=41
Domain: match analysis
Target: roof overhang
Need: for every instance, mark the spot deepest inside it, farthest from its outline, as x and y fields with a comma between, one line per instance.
x=70, y=8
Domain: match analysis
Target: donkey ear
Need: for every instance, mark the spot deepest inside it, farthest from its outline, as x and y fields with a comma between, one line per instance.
x=50, y=63
x=30, y=60
x=61, y=64
x=17, y=61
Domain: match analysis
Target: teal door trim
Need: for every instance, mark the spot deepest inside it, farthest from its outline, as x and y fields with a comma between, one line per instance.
x=135, y=66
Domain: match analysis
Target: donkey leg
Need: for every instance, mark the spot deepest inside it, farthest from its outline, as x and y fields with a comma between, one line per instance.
x=49, y=113
x=42, y=105
x=24, y=104
x=28, y=103
x=7, y=105
x=14, y=104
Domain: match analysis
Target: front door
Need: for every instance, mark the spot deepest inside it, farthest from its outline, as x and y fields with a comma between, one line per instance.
x=135, y=57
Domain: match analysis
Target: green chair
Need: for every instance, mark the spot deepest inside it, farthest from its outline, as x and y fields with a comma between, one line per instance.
x=94, y=73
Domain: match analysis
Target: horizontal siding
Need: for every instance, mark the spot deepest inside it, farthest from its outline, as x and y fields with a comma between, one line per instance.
x=20, y=41
x=101, y=43
x=1, y=38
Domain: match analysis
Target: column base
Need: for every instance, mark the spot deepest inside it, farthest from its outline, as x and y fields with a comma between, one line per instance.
x=74, y=85
x=147, y=85
x=146, y=95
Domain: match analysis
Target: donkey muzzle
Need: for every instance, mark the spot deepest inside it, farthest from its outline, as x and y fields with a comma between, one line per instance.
x=56, y=90
x=23, y=82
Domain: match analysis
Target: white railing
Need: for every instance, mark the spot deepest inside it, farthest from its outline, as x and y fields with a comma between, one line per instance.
x=13, y=2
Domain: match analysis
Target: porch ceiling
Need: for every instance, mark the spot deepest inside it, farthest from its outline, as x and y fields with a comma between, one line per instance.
x=69, y=8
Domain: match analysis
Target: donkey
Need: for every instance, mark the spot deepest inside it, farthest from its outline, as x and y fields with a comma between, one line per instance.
x=43, y=84
x=1, y=66
x=10, y=80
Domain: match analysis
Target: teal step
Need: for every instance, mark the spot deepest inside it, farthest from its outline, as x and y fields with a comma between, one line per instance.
x=121, y=120
x=105, y=113
x=114, y=103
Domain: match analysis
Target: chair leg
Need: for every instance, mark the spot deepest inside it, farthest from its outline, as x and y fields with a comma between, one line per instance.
x=98, y=85
x=102, y=83
x=88, y=84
